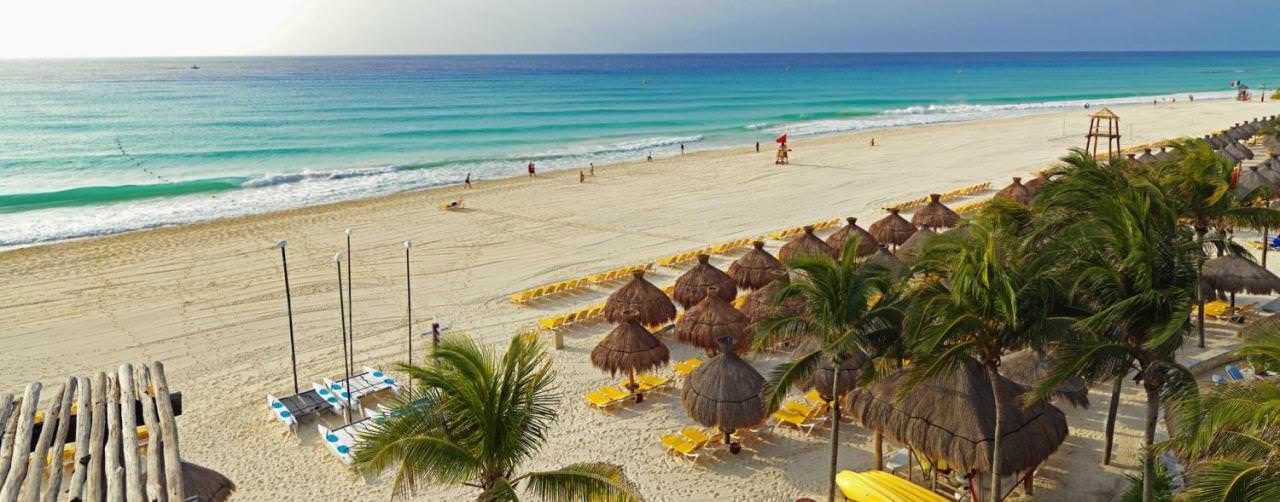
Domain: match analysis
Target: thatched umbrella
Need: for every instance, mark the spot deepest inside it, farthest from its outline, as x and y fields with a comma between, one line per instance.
x=821, y=379
x=1165, y=154
x=1146, y=157
x=935, y=214
x=1216, y=141
x=1260, y=327
x=892, y=229
x=1235, y=274
x=754, y=269
x=1250, y=179
x=885, y=259
x=805, y=244
x=1016, y=192
x=910, y=249
x=691, y=287
x=1029, y=367
x=726, y=393
x=629, y=349
x=952, y=417
x=867, y=244
x=1272, y=143
x=759, y=304
x=1034, y=185
x=712, y=319
x=1268, y=172
x=643, y=297
x=1238, y=151
x=205, y=484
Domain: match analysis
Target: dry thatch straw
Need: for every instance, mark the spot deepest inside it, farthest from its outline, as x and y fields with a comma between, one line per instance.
x=691, y=287
x=892, y=229
x=1234, y=274
x=935, y=214
x=1028, y=367
x=759, y=304
x=1166, y=154
x=725, y=392
x=1261, y=327
x=643, y=297
x=1016, y=192
x=805, y=244
x=1147, y=157
x=1249, y=180
x=867, y=244
x=629, y=349
x=1034, y=185
x=821, y=379
x=952, y=418
x=910, y=249
x=754, y=269
x=202, y=483
x=887, y=260
x=711, y=320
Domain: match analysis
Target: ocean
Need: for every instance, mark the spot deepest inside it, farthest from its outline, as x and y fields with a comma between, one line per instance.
x=93, y=147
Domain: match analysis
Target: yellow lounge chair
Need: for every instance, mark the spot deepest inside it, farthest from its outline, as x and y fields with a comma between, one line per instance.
x=793, y=419
x=547, y=323
x=696, y=435
x=815, y=398
x=800, y=408
x=653, y=381
x=684, y=447
x=615, y=393
x=880, y=486
x=683, y=369
x=599, y=400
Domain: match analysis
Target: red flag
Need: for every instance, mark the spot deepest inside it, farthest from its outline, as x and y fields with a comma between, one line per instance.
x=782, y=139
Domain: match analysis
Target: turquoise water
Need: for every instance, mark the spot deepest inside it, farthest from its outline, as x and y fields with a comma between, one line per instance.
x=91, y=147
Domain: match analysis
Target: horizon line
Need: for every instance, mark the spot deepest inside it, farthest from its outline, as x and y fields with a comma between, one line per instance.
x=652, y=53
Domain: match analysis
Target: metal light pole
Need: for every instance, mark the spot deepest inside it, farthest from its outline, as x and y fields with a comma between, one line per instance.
x=351, y=308
x=346, y=384
x=288, y=303
x=408, y=295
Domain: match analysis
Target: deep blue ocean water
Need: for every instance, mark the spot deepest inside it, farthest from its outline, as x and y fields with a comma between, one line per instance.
x=90, y=147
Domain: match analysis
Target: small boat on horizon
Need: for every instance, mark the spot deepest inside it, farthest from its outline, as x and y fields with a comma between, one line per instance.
x=195, y=67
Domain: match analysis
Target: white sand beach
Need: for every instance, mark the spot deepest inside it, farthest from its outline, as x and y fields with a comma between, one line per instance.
x=208, y=299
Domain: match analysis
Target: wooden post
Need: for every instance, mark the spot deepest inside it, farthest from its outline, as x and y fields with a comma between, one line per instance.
x=172, y=454
x=8, y=424
x=35, y=471
x=129, y=435
x=21, y=442
x=879, y=447
x=114, y=474
x=95, y=480
x=155, y=462
x=84, y=421
x=59, y=440
x=1028, y=483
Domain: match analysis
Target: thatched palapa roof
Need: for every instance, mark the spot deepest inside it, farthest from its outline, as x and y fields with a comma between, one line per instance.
x=952, y=417
x=1235, y=274
x=691, y=287
x=725, y=392
x=935, y=214
x=1147, y=157
x=821, y=379
x=892, y=229
x=1249, y=180
x=629, y=348
x=910, y=249
x=1029, y=367
x=1016, y=192
x=711, y=320
x=754, y=269
x=805, y=244
x=866, y=243
x=1034, y=185
x=885, y=259
x=759, y=304
x=205, y=484
x=642, y=296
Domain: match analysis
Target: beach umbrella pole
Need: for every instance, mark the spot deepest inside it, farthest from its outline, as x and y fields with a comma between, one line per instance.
x=288, y=303
x=342, y=317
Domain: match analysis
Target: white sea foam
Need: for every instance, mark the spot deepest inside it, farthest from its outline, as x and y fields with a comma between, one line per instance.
x=756, y=126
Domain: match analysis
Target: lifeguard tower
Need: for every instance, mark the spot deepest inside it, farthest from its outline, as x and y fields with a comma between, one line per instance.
x=1097, y=132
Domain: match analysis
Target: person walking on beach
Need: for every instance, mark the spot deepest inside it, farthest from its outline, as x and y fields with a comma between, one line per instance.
x=467, y=182
x=532, y=172
x=593, y=168
x=681, y=148
x=649, y=157
x=757, y=147
x=582, y=177
x=435, y=331
x=873, y=142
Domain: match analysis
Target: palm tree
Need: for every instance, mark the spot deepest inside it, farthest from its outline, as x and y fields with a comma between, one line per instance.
x=989, y=299
x=473, y=418
x=851, y=319
x=1133, y=269
x=1199, y=186
x=1232, y=437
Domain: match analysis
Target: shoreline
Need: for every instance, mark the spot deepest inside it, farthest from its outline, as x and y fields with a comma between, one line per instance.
x=207, y=299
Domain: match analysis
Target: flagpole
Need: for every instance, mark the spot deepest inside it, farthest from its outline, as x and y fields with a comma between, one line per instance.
x=408, y=294
x=346, y=385
x=288, y=303
x=351, y=309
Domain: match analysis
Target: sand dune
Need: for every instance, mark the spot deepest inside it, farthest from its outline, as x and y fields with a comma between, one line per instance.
x=207, y=299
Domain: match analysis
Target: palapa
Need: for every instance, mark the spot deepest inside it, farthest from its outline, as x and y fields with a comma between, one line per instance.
x=1029, y=367
x=711, y=320
x=1034, y=185
x=755, y=269
x=1165, y=154
x=726, y=393
x=909, y=250
x=642, y=296
x=821, y=378
x=867, y=244
x=629, y=349
x=1016, y=192
x=759, y=305
x=805, y=244
x=1260, y=327
x=691, y=287
x=892, y=229
x=1249, y=180
x=952, y=418
x=935, y=214
x=1147, y=157
x=885, y=259
x=1237, y=274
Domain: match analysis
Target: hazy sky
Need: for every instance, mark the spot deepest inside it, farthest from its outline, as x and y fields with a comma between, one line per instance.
x=90, y=28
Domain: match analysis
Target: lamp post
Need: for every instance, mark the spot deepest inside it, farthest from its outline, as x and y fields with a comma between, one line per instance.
x=288, y=303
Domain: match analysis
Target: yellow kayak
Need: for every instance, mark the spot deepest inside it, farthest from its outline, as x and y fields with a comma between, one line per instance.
x=880, y=486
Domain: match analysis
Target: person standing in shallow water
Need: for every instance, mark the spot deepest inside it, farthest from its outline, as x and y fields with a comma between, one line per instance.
x=467, y=182
x=532, y=171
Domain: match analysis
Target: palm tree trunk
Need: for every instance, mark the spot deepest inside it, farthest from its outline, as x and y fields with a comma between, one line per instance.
x=993, y=375
x=835, y=432
x=1112, y=409
x=1200, y=230
x=878, y=438
x=1149, y=439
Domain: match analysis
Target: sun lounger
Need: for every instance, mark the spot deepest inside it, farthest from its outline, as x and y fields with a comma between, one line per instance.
x=685, y=448
x=1234, y=373
x=615, y=393
x=696, y=436
x=654, y=382
x=602, y=401
x=1218, y=379
x=793, y=419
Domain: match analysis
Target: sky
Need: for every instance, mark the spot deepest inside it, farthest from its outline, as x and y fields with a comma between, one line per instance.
x=140, y=28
